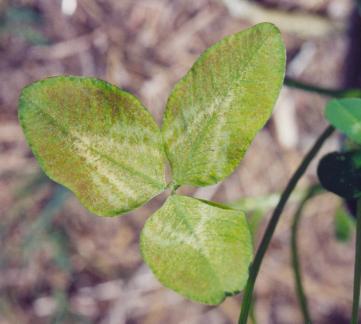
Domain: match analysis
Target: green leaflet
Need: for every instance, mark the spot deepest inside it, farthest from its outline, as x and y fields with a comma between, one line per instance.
x=345, y=115
x=340, y=173
x=102, y=144
x=215, y=111
x=95, y=139
x=344, y=225
x=201, y=251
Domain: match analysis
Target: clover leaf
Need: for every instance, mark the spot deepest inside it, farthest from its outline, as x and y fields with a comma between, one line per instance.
x=340, y=173
x=215, y=111
x=95, y=139
x=199, y=250
x=345, y=115
x=101, y=143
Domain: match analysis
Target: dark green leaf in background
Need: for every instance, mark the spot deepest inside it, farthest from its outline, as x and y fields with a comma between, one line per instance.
x=344, y=225
x=340, y=173
x=345, y=115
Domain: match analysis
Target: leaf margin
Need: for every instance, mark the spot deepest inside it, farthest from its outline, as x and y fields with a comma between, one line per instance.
x=42, y=163
x=199, y=62
x=192, y=297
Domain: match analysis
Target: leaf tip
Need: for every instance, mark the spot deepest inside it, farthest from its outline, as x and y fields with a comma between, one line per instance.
x=268, y=26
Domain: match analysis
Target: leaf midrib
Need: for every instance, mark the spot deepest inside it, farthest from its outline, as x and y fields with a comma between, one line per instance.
x=122, y=165
x=198, y=140
x=182, y=213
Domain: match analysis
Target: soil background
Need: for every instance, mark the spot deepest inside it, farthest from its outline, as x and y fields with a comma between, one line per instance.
x=60, y=264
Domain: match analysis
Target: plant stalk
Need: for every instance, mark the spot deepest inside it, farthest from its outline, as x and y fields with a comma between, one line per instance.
x=338, y=93
x=255, y=266
x=313, y=191
x=357, y=274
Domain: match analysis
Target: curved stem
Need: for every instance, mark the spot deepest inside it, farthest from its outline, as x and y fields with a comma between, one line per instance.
x=252, y=313
x=357, y=274
x=255, y=266
x=339, y=93
x=313, y=191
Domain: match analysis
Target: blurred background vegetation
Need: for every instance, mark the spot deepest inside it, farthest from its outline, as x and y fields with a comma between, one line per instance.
x=60, y=264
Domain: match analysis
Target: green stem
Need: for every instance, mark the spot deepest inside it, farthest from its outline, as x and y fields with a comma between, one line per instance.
x=339, y=93
x=357, y=274
x=255, y=266
x=253, y=313
x=313, y=191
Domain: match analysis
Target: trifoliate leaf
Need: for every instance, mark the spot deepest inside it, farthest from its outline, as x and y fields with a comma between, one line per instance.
x=340, y=173
x=95, y=139
x=200, y=251
x=216, y=110
x=345, y=115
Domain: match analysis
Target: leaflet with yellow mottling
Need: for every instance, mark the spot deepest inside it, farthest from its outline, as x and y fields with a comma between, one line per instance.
x=216, y=110
x=197, y=249
x=96, y=140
